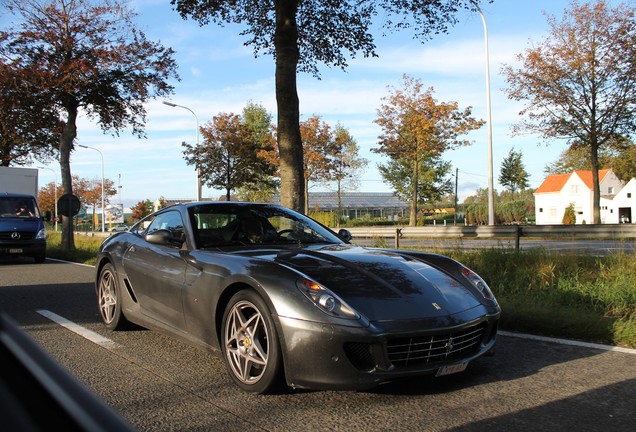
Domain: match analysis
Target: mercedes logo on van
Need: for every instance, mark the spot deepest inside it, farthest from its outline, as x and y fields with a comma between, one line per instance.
x=15, y=235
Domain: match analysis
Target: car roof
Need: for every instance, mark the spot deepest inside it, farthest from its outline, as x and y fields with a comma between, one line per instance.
x=15, y=195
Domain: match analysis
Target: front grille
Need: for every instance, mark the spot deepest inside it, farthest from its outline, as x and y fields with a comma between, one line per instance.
x=24, y=235
x=360, y=355
x=421, y=350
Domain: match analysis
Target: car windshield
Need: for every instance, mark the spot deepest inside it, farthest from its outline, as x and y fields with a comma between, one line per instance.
x=11, y=207
x=224, y=225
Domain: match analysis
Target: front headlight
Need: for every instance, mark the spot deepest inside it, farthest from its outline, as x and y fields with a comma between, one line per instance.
x=41, y=234
x=326, y=300
x=478, y=283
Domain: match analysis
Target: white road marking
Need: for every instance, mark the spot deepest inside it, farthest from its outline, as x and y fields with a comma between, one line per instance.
x=569, y=342
x=75, y=328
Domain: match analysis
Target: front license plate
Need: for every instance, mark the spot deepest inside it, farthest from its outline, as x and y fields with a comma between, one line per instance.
x=447, y=370
x=15, y=250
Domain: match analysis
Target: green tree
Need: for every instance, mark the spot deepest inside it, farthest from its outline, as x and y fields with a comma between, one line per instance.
x=416, y=128
x=513, y=175
x=623, y=163
x=86, y=55
x=259, y=124
x=432, y=179
x=301, y=34
x=579, y=84
x=620, y=157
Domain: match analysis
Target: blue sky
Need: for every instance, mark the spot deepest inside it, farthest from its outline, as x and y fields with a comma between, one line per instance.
x=219, y=74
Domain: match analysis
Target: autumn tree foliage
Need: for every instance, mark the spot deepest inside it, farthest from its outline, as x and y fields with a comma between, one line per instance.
x=24, y=137
x=417, y=128
x=318, y=147
x=89, y=192
x=301, y=34
x=141, y=210
x=85, y=56
x=230, y=155
x=579, y=83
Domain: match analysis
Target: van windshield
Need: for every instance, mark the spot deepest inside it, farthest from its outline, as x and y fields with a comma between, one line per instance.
x=18, y=207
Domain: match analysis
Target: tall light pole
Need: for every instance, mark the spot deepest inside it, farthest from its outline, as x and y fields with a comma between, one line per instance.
x=197, y=139
x=55, y=186
x=491, y=190
x=102, y=156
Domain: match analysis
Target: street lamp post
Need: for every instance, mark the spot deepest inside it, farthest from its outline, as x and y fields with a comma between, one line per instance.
x=103, y=209
x=491, y=190
x=55, y=186
x=170, y=104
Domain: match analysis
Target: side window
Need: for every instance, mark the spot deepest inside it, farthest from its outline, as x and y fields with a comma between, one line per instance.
x=170, y=221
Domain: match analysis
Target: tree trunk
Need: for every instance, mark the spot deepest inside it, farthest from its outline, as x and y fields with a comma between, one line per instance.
x=289, y=140
x=306, y=195
x=339, y=205
x=596, y=198
x=413, y=218
x=66, y=145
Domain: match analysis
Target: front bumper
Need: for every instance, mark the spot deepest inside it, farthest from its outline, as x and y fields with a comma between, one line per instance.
x=323, y=356
x=30, y=248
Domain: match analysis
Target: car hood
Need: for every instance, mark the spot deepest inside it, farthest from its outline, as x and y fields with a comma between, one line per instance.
x=382, y=285
x=19, y=224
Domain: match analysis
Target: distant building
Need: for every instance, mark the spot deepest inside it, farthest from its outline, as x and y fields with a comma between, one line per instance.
x=622, y=207
x=354, y=205
x=559, y=191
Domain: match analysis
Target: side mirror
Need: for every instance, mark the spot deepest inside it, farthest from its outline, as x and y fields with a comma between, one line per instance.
x=163, y=237
x=345, y=234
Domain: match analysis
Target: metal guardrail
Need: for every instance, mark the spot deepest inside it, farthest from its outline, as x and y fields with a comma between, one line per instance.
x=603, y=231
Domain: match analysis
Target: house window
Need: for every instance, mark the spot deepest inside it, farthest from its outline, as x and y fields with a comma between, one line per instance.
x=574, y=189
x=610, y=190
x=540, y=209
x=629, y=194
x=552, y=212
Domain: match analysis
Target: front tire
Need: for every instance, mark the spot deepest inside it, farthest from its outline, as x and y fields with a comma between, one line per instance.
x=109, y=299
x=250, y=344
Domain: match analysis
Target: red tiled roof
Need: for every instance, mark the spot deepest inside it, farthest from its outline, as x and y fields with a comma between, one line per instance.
x=586, y=176
x=554, y=183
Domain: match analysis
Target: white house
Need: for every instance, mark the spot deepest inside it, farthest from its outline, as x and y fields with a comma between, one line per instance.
x=622, y=208
x=558, y=191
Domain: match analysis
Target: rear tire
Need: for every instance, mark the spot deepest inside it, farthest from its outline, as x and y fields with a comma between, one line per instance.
x=109, y=299
x=250, y=344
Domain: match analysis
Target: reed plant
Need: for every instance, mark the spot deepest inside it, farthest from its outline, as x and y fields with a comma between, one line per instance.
x=572, y=295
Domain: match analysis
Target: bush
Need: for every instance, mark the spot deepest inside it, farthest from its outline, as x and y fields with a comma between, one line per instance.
x=569, y=216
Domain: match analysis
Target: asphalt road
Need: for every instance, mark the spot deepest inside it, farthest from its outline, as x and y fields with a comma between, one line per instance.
x=159, y=384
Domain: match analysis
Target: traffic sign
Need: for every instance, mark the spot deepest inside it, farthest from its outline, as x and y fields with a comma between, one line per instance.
x=68, y=205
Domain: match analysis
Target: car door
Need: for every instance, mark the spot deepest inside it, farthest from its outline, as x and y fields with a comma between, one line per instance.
x=157, y=272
